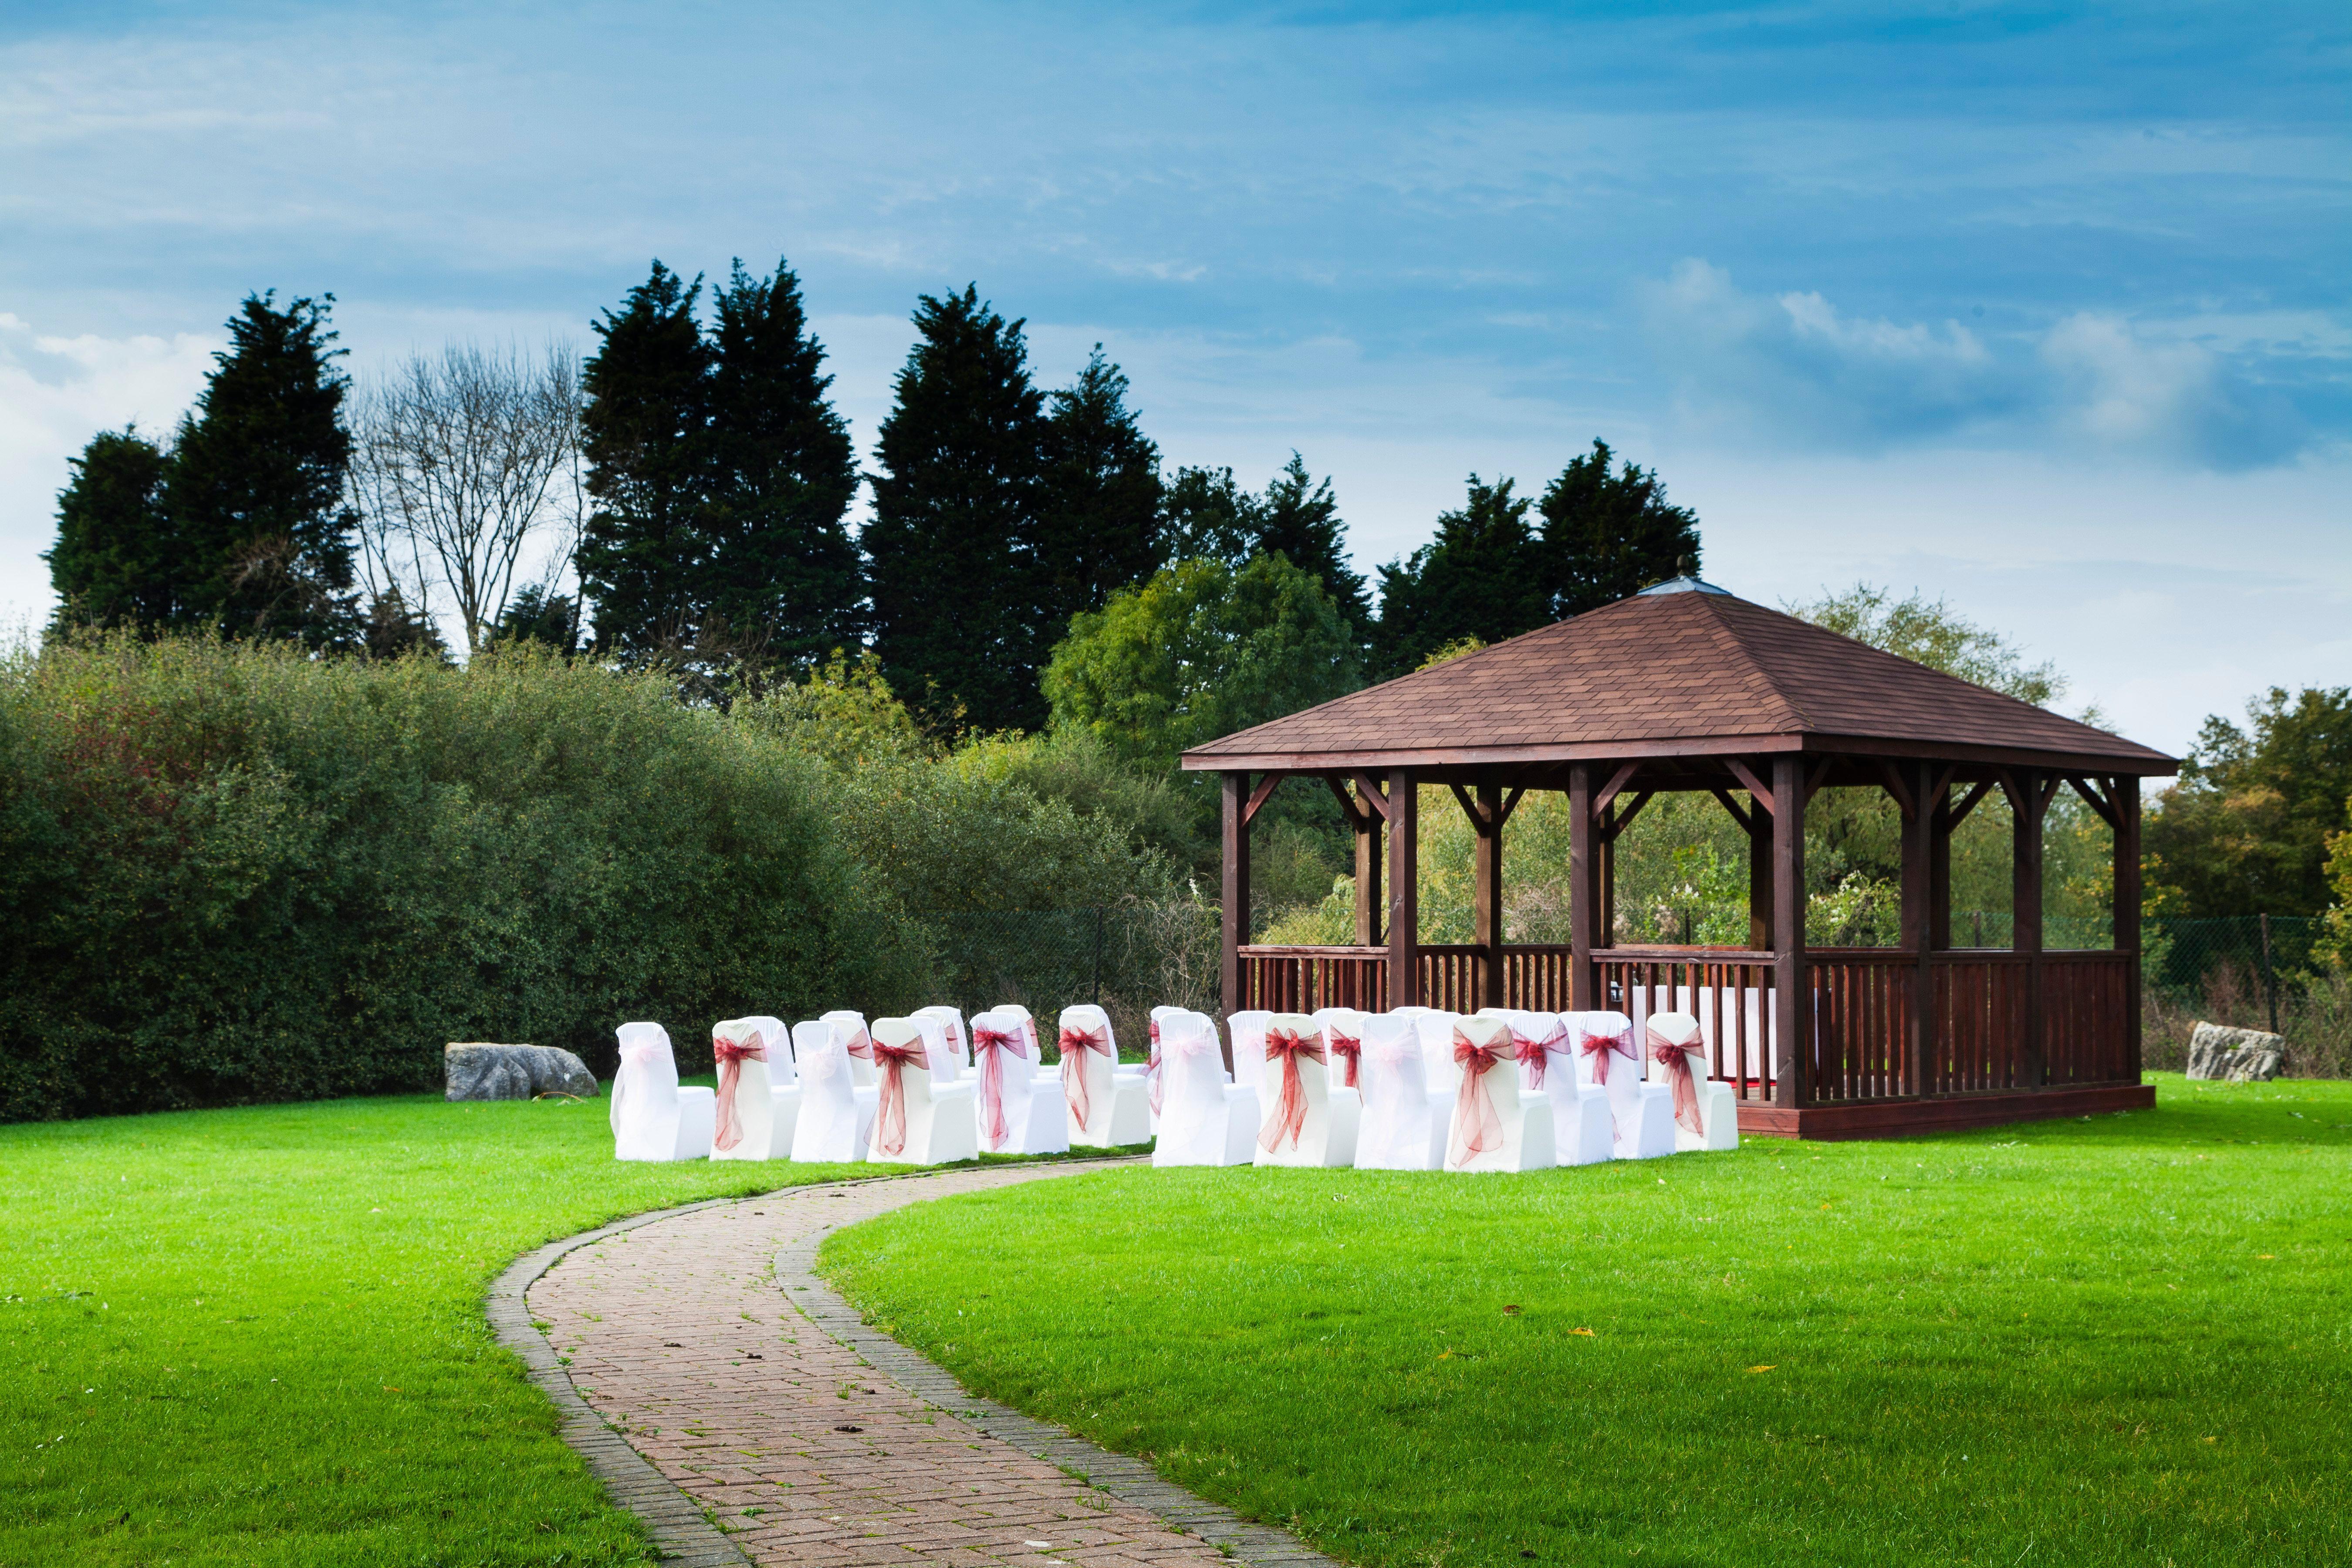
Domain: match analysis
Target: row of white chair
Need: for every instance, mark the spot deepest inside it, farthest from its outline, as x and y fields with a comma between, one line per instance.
x=920, y=1090
x=1421, y=1090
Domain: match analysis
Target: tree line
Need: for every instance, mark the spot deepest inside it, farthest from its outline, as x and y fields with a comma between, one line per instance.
x=690, y=485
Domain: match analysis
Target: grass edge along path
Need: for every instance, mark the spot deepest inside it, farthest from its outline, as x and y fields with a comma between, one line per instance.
x=256, y=1336
x=2126, y=1341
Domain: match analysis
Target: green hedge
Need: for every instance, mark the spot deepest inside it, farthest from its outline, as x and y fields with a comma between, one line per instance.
x=231, y=874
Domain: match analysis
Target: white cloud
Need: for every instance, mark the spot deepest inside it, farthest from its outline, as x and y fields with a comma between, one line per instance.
x=1793, y=368
x=56, y=392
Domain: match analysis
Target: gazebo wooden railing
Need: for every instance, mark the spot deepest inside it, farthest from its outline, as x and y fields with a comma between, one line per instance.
x=1685, y=688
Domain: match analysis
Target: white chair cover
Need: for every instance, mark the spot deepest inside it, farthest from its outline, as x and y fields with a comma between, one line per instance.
x=759, y=1103
x=836, y=1111
x=1107, y=1108
x=1018, y=1109
x=1205, y=1119
x=1583, y=1134
x=1435, y=1029
x=1151, y=1073
x=1343, y=1041
x=861, y=1071
x=1306, y=1117
x=1405, y=1121
x=1498, y=1124
x=1706, y=1110
x=1246, y=1029
x=917, y=1120
x=1640, y=1113
x=953, y=1060
x=652, y=1116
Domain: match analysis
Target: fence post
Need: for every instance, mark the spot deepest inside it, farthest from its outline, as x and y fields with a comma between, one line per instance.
x=2270, y=973
x=1097, y=997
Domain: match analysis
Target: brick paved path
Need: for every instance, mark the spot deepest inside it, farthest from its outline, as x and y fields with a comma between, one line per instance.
x=725, y=1365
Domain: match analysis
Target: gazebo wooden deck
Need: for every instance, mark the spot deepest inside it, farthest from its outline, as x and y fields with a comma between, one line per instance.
x=1684, y=687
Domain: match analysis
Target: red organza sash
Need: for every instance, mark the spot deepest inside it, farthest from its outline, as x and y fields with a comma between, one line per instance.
x=1076, y=1042
x=1477, y=1126
x=1151, y=1067
x=731, y=1058
x=989, y=1045
x=1536, y=1055
x=890, y=1115
x=1599, y=1047
x=1289, y=1111
x=1348, y=1048
x=1676, y=1061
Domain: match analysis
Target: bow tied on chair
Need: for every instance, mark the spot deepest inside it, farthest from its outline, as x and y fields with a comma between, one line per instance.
x=989, y=1044
x=890, y=1061
x=1151, y=1067
x=1536, y=1055
x=1600, y=1048
x=1349, y=1049
x=1289, y=1111
x=731, y=1055
x=1674, y=1057
x=1076, y=1042
x=1477, y=1126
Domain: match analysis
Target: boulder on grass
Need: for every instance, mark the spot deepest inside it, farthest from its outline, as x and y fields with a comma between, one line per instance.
x=479, y=1070
x=2240, y=1055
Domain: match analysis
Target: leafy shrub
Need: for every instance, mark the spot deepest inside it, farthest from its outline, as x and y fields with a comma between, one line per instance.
x=233, y=873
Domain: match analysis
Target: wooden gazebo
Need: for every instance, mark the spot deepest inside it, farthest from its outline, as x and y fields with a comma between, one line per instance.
x=1684, y=687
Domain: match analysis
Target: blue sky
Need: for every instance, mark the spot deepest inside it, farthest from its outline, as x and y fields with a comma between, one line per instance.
x=2044, y=311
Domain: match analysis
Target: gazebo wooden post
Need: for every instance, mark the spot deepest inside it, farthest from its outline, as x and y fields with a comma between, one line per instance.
x=1583, y=888
x=1236, y=895
x=1793, y=999
x=1404, y=891
x=2123, y=797
x=2026, y=800
x=1486, y=894
x=1368, y=870
x=1918, y=902
x=1940, y=871
x=1760, y=875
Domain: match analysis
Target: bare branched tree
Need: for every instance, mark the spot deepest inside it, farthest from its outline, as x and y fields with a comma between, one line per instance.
x=460, y=463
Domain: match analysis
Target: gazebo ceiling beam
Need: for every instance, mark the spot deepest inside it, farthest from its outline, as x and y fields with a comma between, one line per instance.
x=1610, y=830
x=1892, y=778
x=1746, y=819
x=1757, y=789
x=2102, y=803
x=1368, y=789
x=1968, y=802
x=1608, y=792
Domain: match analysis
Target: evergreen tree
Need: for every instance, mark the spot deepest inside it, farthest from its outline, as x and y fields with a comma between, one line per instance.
x=1205, y=516
x=1298, y=517
x=776, y=562
x=116, y=561
x=646, y=434
x=1480, y=577
x=1607, y=535
x=949, y=548
x=255, y=487
x=1099, y=516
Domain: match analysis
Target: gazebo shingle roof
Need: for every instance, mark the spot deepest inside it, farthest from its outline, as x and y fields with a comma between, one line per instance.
x=1685, y=672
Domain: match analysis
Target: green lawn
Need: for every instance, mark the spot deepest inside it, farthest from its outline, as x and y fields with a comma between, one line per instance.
x=256, y=1336
x=2117, y=1341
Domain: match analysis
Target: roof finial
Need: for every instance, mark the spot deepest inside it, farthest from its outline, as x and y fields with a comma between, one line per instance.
x=1687, y=566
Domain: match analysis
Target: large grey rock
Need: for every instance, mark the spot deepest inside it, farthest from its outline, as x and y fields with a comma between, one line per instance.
x=2241, y=1056
x=482, y=1072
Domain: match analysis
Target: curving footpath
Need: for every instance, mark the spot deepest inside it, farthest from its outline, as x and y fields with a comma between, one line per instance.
x=731, y=1397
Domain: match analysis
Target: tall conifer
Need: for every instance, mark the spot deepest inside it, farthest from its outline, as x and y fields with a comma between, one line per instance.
x=954, y=515
x=777, y=562
x=1607, y=535
x=116, y=561
x=255, y=487
x=1480, y=577
x=646, y=434
x=1298, y=517
x=1098, y=515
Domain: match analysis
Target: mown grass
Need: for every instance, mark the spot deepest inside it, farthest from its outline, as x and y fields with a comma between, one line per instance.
x=2121, y=1341
x=257, y=1337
